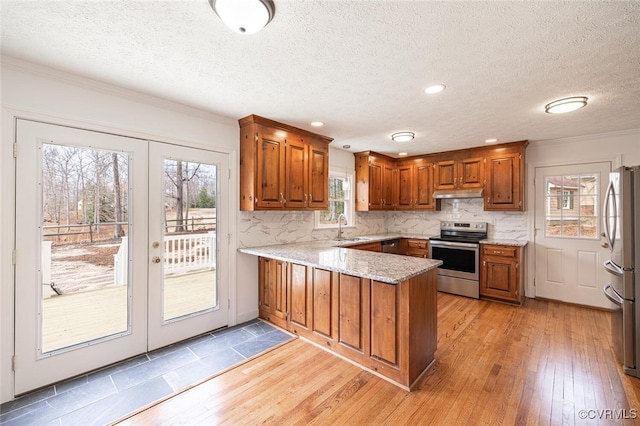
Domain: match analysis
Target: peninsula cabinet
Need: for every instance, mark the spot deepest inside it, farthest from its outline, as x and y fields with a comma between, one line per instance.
x=388, y=329
x=272, y=291
x=282, y=167
x=501, y=273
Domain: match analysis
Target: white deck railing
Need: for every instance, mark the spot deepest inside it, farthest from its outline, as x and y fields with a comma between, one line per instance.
x=189, y=252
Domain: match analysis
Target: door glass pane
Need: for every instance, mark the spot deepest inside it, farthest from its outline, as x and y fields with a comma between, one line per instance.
x=572, y=206
x=190, y=238
x=84, y=249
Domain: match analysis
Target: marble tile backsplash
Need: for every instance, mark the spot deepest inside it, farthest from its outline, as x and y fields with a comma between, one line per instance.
x=263, y=228
x=502, y=225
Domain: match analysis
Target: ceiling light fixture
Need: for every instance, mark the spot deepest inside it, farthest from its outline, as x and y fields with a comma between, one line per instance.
x=244, y=16
x=492, y=140
x=403, y=136
x=402, y=154
x=436, y=88
x=317, y=123
x=566, y=105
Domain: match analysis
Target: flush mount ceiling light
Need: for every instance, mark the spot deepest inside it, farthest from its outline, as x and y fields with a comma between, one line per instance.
x=317, y=123
x=403, y=136
x=566, y=105
x=492, y=140
x=435, y=88
x=244, y=16
x=403, y=154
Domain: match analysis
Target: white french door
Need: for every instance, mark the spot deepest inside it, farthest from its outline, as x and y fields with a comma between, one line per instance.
x=569, y=240
x=116, y=252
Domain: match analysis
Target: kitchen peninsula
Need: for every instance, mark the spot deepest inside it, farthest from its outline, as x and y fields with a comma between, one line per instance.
x=376, y=310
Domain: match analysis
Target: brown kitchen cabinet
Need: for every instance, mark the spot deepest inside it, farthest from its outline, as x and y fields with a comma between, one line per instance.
x=282, y=167
x=414, y=247
x=498, y=170
x=504, y=189
x=273, y=291
x=375, y=181
x=415, y=185
x=389, y=329
x=372, y=246
x=463, y=173
x=501, y=272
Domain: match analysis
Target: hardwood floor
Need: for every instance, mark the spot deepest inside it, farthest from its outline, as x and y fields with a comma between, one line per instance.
x=541, y=363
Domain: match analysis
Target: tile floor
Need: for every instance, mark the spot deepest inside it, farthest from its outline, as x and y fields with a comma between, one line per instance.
x=106, y=395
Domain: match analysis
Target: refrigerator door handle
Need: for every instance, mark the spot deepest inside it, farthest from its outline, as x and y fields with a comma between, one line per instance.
x=613, y=295
x=610, y=200
x=612, y=268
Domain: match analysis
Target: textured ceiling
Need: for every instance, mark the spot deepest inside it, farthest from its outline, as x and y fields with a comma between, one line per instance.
x=359, y=66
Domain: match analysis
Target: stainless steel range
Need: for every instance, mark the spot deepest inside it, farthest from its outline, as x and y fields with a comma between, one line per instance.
x=458, y=246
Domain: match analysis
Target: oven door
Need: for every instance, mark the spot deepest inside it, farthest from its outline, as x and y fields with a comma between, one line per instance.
x=460, y=260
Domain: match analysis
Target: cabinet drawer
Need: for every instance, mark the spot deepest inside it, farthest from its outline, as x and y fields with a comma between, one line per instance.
x=418, y=244
x=504, y=251
x=418, y=253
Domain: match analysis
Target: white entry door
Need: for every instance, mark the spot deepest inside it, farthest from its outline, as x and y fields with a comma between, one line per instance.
x=569, y=241
x=102, y=272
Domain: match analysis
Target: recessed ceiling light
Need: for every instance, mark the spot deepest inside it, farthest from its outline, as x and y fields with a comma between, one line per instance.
x=346, y=146
x=403, y=136
x=566, y=105
x=435, y=88
x=402, y=154
x=491, y=140
x=317, y=123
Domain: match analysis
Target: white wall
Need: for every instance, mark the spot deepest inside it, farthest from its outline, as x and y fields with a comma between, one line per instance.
x=44, y=94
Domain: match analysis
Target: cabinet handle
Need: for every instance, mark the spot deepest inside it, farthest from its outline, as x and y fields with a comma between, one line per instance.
x=517, y=265
x=488, y=200
x=484, y=263
x=281, y=198
x=305, y=198
x=310, y=197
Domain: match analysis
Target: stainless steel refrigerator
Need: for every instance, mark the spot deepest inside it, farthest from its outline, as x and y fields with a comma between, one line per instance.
x=621, y=216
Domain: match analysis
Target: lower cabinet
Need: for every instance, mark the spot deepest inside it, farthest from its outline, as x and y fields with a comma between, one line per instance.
x=272, y=292
x=501, y=274
x=389, y=329
x=414, y=247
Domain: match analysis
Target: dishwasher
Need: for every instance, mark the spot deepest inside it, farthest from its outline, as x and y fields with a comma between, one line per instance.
x=391, y=246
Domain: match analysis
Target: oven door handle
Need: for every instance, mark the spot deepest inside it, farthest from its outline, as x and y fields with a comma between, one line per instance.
x=452, y=244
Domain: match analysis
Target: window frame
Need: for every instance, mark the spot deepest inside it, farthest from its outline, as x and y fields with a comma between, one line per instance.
x=349, y=210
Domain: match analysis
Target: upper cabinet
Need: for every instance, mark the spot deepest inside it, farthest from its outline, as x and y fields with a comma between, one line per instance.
x=375, y=182
x=504, y=168
x=463, y=173
x=282, y=167
x=497, y=172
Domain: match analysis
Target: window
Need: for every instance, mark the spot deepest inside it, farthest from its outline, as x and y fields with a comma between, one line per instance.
x=572, y=206
x=340, y=201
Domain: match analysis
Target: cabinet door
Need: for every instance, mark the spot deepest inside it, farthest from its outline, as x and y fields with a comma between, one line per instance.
x=389, y=192
x=295, y=173
x=471, y=173
x=318, y=192
x=445, y=175
x=504, y=186
x=270, y=169
x=272, y=291
x=405, y=187
x=423, y=187
x=300, y=303
x=500, y=278
x=375, y=185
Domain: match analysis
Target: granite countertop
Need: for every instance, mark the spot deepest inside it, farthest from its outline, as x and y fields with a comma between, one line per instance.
x=329, y=255
x=518, y=243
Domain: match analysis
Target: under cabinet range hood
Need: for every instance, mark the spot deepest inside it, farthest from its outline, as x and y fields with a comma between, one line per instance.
x=457, y=193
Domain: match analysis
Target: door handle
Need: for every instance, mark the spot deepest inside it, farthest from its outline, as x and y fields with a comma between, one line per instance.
x=155, y=259
x=605, y=245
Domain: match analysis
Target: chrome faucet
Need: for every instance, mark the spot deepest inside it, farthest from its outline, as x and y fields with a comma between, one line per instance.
x=340, y=218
